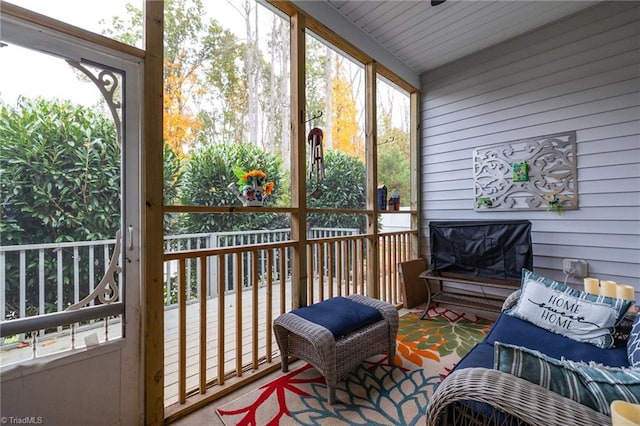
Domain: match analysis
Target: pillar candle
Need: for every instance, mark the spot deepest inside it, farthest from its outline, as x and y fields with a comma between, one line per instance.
x=626, y=292
x=624, y=413
x=608, y=288
x=592, y=285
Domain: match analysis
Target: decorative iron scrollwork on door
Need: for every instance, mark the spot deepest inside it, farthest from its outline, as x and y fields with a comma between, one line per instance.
x=109, y=84
x=527, y=174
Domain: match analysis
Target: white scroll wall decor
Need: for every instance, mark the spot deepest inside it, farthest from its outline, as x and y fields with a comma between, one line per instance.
x=529, y=174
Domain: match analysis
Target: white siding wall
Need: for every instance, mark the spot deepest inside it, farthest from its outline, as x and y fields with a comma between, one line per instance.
x=581, y=73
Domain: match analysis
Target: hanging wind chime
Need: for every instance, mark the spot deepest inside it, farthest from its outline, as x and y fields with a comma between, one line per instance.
x=316, y=159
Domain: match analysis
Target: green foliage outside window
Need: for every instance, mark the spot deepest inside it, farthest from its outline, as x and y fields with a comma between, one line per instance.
x=61, y=173
x=344, y=187
x=60, y=182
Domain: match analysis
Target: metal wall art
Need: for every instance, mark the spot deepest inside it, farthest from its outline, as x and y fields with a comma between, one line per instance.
x=538, y=173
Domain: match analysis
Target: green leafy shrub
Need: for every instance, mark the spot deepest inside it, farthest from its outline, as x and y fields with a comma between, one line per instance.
x=61, y=173
x=60, y=181
x=344, y=187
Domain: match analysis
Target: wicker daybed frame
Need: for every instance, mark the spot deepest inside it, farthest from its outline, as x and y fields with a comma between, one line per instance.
x=515, y=401
x=334, y=359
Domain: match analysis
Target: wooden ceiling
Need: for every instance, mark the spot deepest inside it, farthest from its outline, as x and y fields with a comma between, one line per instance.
x=425, y=36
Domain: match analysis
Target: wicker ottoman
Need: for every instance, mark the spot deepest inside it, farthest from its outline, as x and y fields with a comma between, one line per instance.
x=334, y=358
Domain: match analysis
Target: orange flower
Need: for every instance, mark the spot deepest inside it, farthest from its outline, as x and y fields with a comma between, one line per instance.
x=269, y=188
x=254, y=173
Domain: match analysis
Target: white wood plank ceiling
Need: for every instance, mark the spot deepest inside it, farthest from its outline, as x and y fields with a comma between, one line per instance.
x=425, y=36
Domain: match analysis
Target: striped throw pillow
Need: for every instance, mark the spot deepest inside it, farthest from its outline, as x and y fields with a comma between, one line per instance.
x=542, y=370
x=608, y=384
x=633, y=344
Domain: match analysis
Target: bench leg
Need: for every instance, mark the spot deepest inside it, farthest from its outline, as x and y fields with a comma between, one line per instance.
x=331, y=394
x=392, y=354
x=426, y=310
x=284, y=362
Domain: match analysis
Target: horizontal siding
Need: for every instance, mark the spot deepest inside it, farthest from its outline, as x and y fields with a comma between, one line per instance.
x=581, y=73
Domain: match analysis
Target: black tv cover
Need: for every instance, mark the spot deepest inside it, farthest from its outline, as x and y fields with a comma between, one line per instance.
x=484, y=249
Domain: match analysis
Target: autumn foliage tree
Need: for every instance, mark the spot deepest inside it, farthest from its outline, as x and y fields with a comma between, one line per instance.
x=344, y=129
x=180, y=125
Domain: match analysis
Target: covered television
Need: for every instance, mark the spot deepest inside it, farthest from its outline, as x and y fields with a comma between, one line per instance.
x=481, y=249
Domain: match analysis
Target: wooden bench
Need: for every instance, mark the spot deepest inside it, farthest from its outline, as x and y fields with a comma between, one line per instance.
x=469, y=297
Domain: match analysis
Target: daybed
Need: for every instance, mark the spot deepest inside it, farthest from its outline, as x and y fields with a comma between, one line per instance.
x=477, y=393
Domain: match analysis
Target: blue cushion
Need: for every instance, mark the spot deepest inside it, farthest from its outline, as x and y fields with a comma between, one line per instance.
x=633, y=344
x=339, y=315
x=514, y=331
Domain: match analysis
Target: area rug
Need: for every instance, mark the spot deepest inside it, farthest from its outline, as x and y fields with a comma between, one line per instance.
x=376, y=393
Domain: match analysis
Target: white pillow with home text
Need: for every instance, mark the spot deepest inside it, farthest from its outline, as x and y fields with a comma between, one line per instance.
x=572, y=313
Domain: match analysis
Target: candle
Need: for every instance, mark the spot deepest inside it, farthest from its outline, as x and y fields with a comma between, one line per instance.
x=624, y=413
x=608, y=288
x=592, y=285
x=626, y=292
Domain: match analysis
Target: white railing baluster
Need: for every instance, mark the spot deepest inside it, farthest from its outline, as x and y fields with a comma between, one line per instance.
x=41, y=281
x=76, y=275
x=189, y=267
x=235, y=272
x=92, y=270
x=261, y=269
x=213, y=267
x=167, y=274
x=59, y=281
x=105, y=257
x=23, y=284
x=199, y=268
x=3, y=279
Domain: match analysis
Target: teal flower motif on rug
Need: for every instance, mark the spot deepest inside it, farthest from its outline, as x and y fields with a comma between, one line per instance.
x=379, y=394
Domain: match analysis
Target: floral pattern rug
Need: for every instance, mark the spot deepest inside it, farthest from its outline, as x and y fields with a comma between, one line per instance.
x=376, y=393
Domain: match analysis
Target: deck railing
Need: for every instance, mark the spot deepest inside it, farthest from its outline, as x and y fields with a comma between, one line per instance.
x=234, y=337
x=43, y=295
x=187, y=242
x=38, y=279
x=245, y=279
x=44, y=278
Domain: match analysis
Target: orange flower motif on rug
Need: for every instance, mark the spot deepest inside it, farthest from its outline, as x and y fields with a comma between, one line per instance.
x=442, y=333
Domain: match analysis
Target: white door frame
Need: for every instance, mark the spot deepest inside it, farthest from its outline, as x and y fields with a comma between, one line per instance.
x=130, y=400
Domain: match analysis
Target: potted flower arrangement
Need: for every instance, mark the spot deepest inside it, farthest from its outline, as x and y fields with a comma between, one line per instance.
x=555, y=204
x=252, y=187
